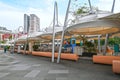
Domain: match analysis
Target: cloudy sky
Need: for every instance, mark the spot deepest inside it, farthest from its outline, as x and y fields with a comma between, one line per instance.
x=12, y=11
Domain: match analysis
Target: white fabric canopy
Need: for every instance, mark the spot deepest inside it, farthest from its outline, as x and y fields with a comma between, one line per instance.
x=95, y=27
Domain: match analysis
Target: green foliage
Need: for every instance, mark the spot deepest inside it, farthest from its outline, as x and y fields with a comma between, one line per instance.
x=115, y=40
x=96, y=42
x=35, y=47
x=102, y=41
x=7, y=47
x=82, y=10
x=3, y=42
x=89, y=46
x=27, y=47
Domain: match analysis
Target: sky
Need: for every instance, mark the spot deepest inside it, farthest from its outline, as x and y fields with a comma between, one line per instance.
x=12, y=11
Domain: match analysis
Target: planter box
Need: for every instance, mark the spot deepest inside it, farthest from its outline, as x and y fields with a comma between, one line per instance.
x=63, y=55
x=105, y=59
x=116, y=66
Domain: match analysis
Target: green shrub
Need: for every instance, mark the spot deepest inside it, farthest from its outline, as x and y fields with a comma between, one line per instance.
x=35, y=47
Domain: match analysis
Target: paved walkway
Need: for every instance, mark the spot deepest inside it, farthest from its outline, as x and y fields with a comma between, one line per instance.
x=7, y=58
x=40, y=68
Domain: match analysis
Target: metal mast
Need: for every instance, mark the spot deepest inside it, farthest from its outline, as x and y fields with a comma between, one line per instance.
x=112, y=10
x=64, y=27
x=55, y=21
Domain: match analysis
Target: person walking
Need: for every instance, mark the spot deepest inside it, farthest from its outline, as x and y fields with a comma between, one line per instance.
x=5, y=49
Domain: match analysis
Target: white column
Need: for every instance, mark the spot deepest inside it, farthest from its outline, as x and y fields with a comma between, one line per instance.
x=99, y=47
x=65, y=24
x=30, y=46
x=90, y=6
x=112, y=10
x=53, y=41
x=105, y=45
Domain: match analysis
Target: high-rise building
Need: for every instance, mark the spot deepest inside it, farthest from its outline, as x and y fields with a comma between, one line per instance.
x=26, y=23
x=31, y=23
x=34, y=23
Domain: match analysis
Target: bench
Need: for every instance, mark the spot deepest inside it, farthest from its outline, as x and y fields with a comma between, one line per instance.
x=116, y=66
x=63, y=55
x=28, y=52
x=23, y=52
x=105, y=59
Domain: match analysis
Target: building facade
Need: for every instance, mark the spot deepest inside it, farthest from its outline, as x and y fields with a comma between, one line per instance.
x=5, y=34
x=31, y=23
x=26, y=23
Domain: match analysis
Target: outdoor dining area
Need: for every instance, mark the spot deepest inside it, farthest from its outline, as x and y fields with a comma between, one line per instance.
x=91, y=37
x=42, y=46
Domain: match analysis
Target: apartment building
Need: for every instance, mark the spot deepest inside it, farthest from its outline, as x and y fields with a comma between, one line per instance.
x=31, y=23
x=26, y=23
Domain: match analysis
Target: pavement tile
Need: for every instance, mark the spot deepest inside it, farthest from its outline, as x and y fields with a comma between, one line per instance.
x=58, y=71
x=20, y=68
x=41, y=68
x=36, y=65
x=3, y=74
x=4, y=67
x=60, y=78
x=33, y=73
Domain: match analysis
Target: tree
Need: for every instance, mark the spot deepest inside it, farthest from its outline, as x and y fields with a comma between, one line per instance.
x=81, y=10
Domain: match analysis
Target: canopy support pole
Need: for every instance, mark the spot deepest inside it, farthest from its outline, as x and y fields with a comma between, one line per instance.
x=90, y=6
x=112, y=10
x=55, y=18
x=64, y=27
x=99, y=47
x=105, y=45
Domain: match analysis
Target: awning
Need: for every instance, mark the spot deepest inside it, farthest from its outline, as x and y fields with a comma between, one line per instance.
x=47, y=36
x=95, y=27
